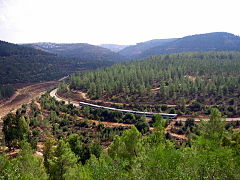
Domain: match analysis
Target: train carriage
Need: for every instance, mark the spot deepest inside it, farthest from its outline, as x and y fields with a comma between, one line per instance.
x=147, y=114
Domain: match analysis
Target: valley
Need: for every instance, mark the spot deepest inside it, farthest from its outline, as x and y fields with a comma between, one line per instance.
x=80, y=111
x=119, y=90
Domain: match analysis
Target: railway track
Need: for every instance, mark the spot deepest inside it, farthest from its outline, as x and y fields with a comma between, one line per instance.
x=53, y=93
x=147, y=114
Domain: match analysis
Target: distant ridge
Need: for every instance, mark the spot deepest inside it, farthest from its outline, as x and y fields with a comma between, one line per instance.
x=20, y=64
x=10, y=49
x=218, y=41
x=135, y=51
x=79, y=50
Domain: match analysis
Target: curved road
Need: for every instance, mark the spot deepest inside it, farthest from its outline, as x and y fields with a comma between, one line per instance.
x=53, y=94
x=147, y=114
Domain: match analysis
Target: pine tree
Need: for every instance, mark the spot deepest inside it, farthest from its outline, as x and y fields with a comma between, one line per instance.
x=64, y=160
x=15, y=129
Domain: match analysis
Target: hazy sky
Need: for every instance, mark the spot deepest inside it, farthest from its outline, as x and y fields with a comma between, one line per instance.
x=114, y=21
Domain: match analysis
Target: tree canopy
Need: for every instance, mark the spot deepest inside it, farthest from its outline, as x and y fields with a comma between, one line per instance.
x=194, y=79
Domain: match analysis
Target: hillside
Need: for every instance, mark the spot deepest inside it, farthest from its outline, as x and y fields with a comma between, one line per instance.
x=135, y=51
x=9, y=49
x=212, y=80
x=6, y=92
x=219, y=41
x=19, y=64
x=48, y=139
x=79, y=50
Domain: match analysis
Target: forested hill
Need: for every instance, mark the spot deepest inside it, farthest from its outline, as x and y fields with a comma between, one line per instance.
x=209, y=78
x=219, y=41
x=19, y=64
x=135, y=51
x=9, y=49
x=79, y=50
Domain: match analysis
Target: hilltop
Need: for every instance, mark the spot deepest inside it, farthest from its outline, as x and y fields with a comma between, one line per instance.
x=135, y=51
x=10, y=49
x=217, y=41
x=20, y=64
x=79, y=50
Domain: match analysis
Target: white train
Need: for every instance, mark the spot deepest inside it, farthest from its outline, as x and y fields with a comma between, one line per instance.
x=147, y=114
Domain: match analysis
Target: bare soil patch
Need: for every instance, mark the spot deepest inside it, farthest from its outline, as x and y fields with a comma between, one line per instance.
x=24, y=95
x=111, y=124
x=175, y=135
x=76, y=96
x=192, y=78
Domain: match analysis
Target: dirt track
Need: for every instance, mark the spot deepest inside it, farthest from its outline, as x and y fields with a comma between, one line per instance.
x=24, y=96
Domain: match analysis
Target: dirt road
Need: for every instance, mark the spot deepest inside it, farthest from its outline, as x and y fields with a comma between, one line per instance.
x=24, y=96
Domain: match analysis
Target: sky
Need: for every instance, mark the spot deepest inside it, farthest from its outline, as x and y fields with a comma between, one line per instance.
x=114, y=21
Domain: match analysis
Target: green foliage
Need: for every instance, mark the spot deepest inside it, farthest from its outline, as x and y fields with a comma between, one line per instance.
x=25, y=166
x=15, y=129
x=233, y=141
x=19, y=64
x=195, y=106
x=213, y=79
x=63, y=88
x=29, y=166
x=9, y=49
x=76, y=145
x=213, y=153
x=112, y=116
x=80, y=50
x=212, y=131
x=48, y=152
x=133, y=156
x=127, y=146
x=142, y=126
x=7, y=168
x=135, y=51
x=157, y=136
x=164, y=161
x=189, y=122
x=159, y=124
x=106, y=168
x=6, y=92
x=79, y=172
x=221, y=41
x=63, y=162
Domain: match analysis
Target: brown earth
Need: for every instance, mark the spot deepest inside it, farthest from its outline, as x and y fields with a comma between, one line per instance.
x=177, y=136
x=24, y=95
x=111, y=124
x=192, y=78
x=79, y=95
